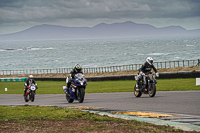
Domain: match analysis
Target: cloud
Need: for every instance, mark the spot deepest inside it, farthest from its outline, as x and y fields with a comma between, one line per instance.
x=54, y=11
x=65, y=9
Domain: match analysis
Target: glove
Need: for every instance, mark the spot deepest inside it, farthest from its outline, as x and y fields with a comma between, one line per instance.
x=142, y=73
x=157, y=75
x=36, y=86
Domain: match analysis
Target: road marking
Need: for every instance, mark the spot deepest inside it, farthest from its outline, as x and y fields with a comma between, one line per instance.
x=146, y=114
x=84, y=108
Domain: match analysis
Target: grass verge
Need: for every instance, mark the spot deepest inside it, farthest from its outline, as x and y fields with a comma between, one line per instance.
x=55, y=87
x=56, y=119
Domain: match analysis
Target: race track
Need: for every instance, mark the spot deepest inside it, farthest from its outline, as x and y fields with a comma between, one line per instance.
x=181, y=102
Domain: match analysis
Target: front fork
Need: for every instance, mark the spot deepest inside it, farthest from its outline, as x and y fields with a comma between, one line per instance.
x=149, y=85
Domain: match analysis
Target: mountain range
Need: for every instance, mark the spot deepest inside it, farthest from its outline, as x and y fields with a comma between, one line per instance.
x=103, y=30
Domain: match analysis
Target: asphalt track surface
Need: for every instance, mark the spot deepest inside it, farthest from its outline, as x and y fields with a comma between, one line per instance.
x=181, y=102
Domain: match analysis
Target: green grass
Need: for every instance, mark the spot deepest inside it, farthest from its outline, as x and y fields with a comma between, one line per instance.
x=177, y=84
x=35, y=116
x=46, y=113
x=55, y=87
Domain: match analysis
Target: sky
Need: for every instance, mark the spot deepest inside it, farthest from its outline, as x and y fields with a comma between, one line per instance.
x=18, y=15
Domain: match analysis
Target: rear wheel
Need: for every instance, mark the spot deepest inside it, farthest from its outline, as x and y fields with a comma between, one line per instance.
x=81, y=95
x=152, y=93
x=68, y=98
x=137, y=93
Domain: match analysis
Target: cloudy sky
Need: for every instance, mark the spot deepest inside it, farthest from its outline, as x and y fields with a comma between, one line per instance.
x=17, y=15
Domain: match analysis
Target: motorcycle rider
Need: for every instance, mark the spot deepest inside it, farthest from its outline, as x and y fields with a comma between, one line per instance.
x=29, y=81
x=77, y=69
x=145, y=68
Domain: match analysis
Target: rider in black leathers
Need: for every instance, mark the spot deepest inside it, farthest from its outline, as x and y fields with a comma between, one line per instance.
x=29, y=81
x=77, y=69
x=145, y=69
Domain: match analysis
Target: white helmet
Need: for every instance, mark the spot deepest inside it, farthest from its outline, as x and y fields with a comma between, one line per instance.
x=30, y=76
x=149, y=60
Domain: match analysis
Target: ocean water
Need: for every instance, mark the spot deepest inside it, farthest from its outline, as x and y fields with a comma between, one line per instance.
x=95, y=52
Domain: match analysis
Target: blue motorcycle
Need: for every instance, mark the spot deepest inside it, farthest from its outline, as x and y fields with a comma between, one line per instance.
x=76, y=89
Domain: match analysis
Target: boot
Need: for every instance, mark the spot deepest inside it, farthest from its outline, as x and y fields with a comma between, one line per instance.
x=68, y=85
x=67, y=90
x=25, y=91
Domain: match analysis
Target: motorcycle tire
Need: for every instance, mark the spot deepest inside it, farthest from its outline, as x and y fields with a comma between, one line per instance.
x=152, y=93
x=68, y=98
x=137, y=94
x=32, y=96
x=81, y=95
x=25, y=98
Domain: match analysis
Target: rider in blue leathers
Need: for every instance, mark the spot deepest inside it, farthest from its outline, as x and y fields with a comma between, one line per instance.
x=77, y=69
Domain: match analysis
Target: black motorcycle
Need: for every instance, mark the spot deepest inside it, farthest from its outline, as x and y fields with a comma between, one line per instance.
x=150, y=87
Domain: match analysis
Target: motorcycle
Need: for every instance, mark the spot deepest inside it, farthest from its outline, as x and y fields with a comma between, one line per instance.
x=77, y=88
x=150, y=87
x=30, y=93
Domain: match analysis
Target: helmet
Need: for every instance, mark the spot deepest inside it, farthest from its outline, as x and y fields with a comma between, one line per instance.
x=77, y=67
x=149, y=60
x=30, y=76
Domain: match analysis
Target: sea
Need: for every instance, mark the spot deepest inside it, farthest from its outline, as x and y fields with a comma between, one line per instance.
x=89, y=53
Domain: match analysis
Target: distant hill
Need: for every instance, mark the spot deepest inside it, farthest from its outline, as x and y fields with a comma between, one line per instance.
x=103, y=30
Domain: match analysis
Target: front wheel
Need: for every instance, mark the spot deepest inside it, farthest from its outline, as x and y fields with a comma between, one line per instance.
x=152, y=93
x=32, y=96
x=81, y=95
x=137, y=94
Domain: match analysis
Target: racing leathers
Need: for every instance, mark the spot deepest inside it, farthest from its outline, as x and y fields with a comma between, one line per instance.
x=27, y=83
x=145, y=69
x=71, y=76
